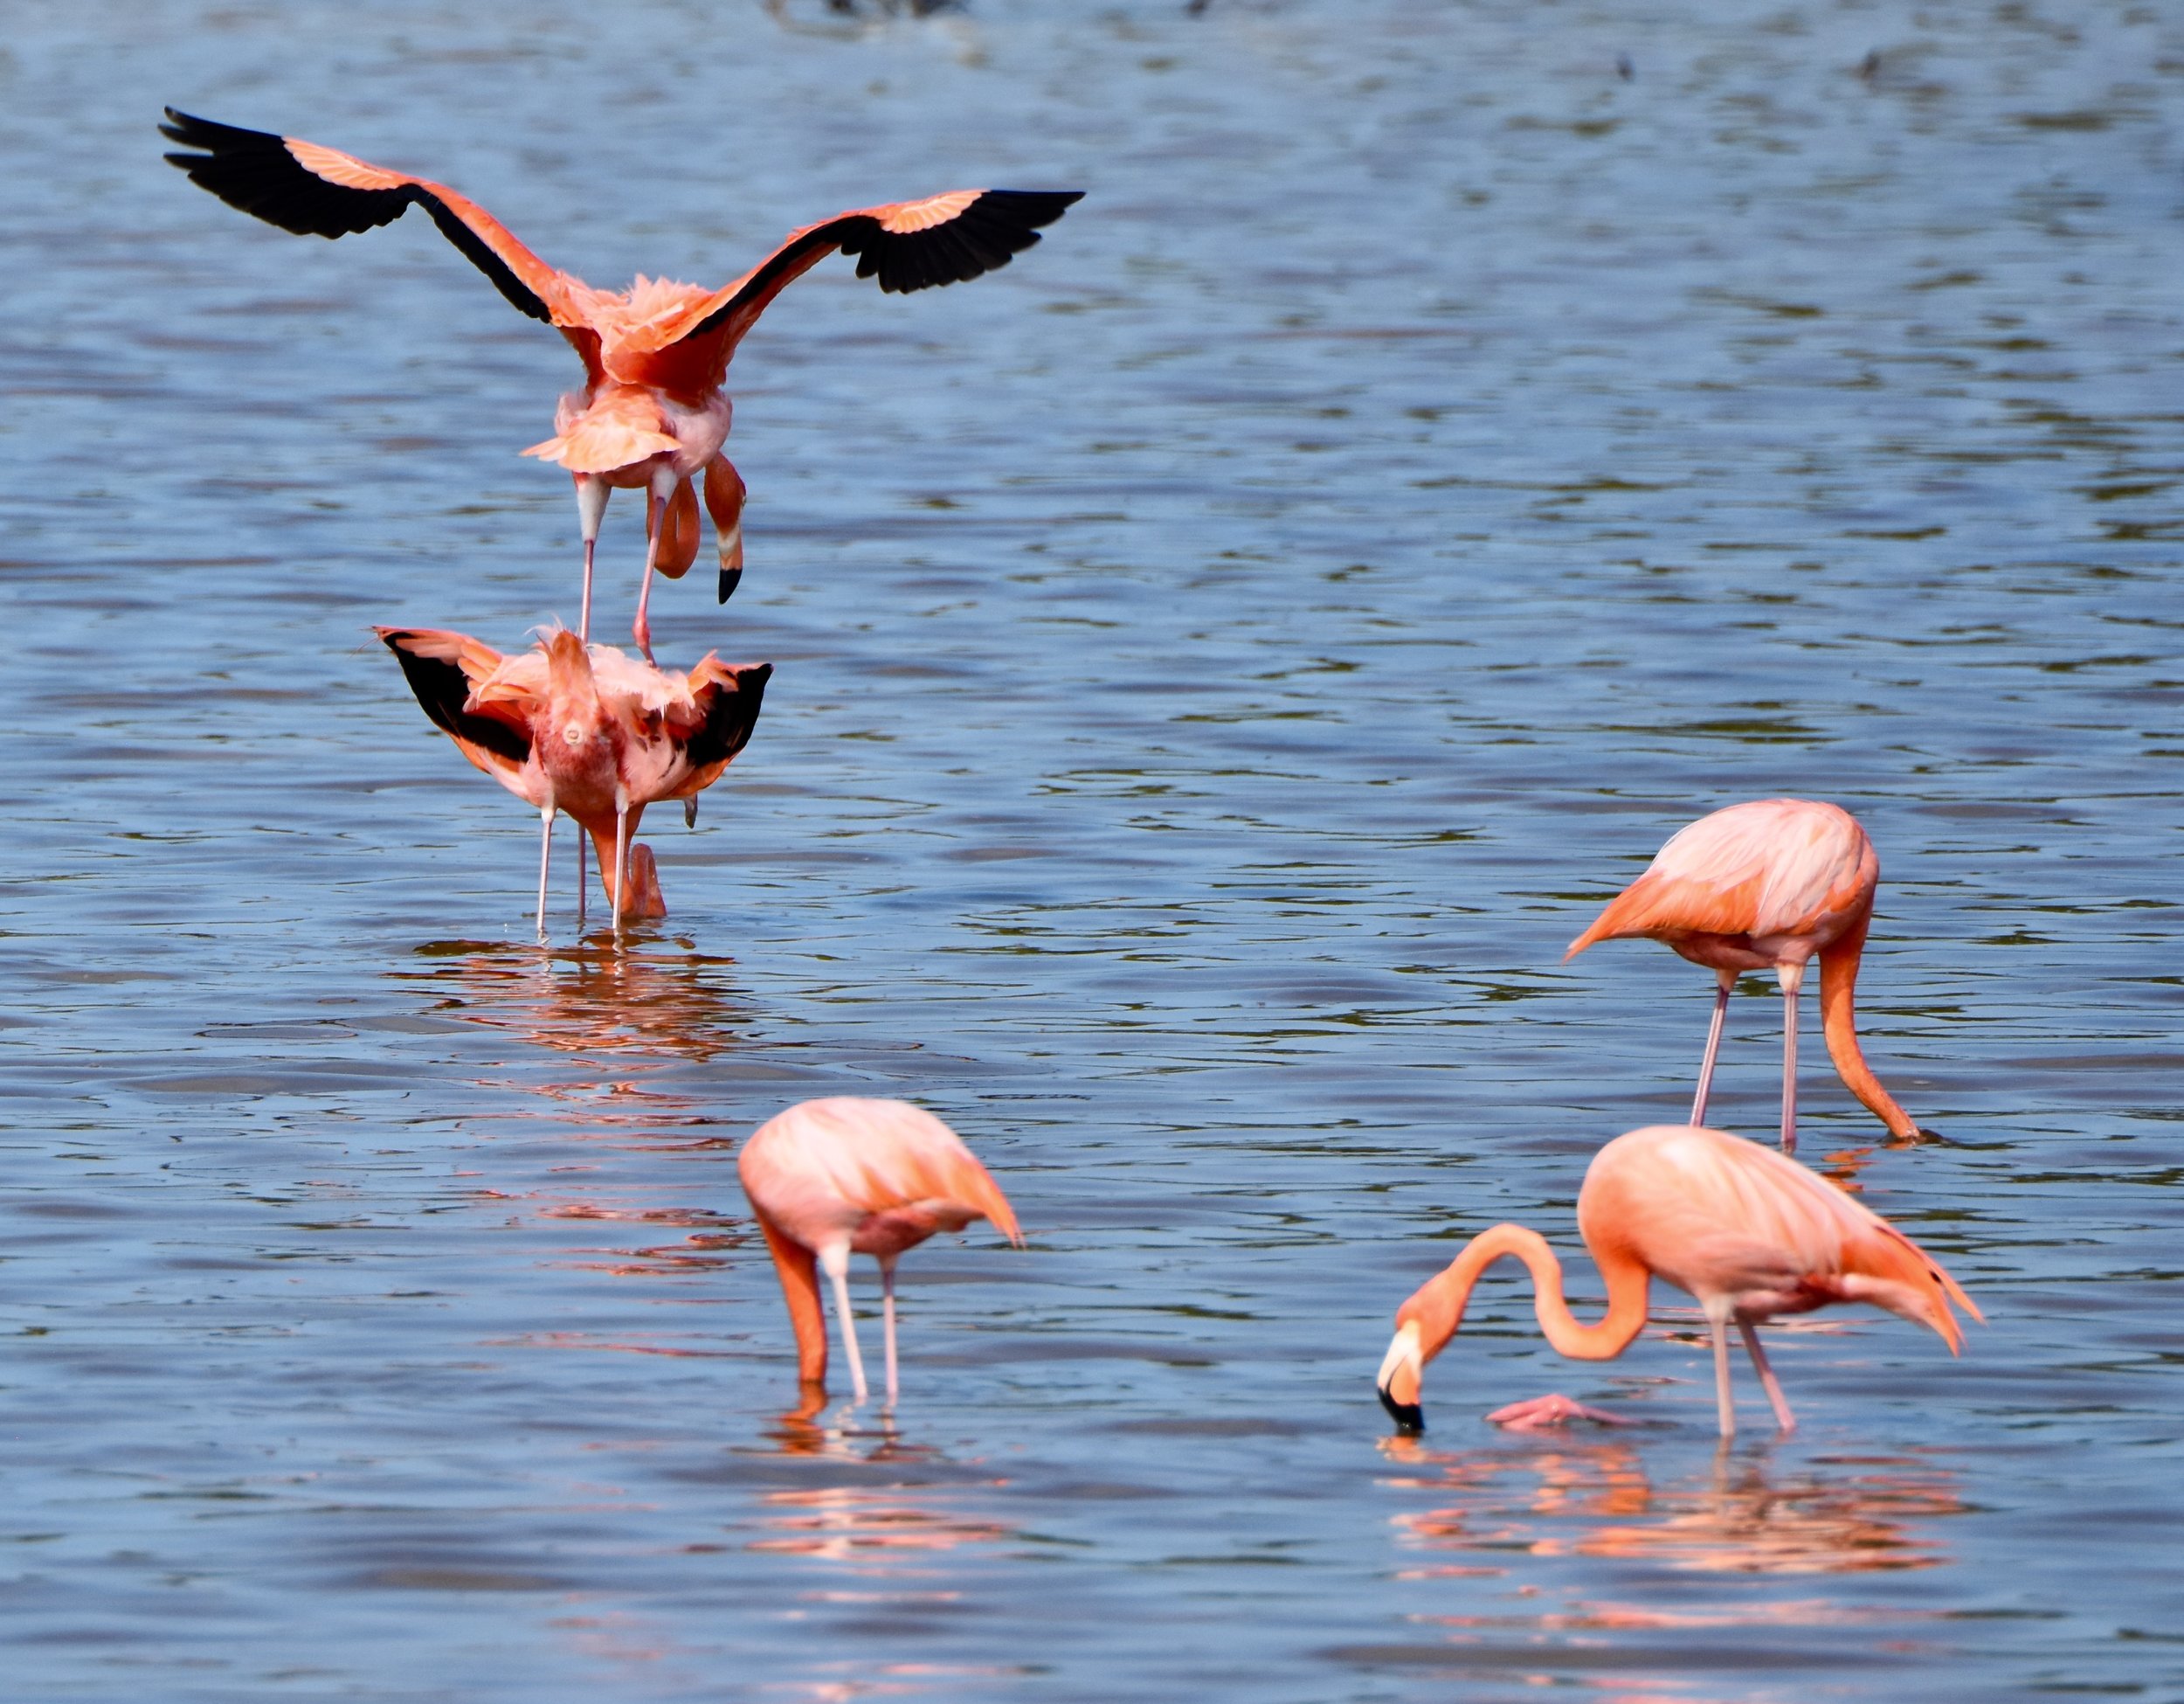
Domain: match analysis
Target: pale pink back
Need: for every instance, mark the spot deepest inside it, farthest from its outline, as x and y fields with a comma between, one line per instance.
x=817, y=1170
x=1771, y=868
x=1720, y=1216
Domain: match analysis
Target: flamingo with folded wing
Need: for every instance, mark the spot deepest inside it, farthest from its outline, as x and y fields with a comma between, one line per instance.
x=587, y=729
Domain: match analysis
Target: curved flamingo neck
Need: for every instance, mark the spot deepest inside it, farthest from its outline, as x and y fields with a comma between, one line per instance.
x=1438, y=1308
x=798, y=1269
x=1838, y=986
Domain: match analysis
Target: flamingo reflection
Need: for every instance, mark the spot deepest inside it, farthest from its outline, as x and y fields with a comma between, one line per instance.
x=629, y=1014
x=1741, y=1517
x=904, y=1502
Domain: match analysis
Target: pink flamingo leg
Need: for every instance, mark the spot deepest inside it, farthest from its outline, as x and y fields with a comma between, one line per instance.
x=1783, y=1417
x=591, y=494
x=886, y=1292
x=1792, y=977
x=656, y=496
x=1727, y=1408
x=582, y=875
x=836, y=1262
x=1541, y=1412
x=621, y=858
x=1727, y=979
x=545, y=855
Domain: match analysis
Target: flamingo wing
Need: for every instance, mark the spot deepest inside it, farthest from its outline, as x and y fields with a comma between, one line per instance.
x=906, y=245
x=820, y=1169
x=316, y=192
x=444, y=671
x=727, y=696
x=1717, y=1214
x=1773, y=866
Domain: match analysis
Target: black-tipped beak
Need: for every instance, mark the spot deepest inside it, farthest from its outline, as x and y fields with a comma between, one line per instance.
x=1409, y=1417
x=731, y=579
x=1927, y=1135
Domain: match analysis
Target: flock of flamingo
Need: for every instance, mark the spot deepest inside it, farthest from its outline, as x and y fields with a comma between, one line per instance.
x=588, y=729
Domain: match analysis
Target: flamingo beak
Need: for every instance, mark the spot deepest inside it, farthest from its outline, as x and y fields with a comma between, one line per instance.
x=1401, y=1370
x=731, y=579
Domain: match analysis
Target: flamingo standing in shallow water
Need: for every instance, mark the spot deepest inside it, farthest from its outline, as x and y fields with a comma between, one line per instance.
x=1765, y=886
x=1748, y=1232
x=651, y=415
x=829, y=1178
x=588, y=730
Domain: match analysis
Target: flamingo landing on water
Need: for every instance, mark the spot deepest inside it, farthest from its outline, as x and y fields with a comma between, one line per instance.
x=651, y=415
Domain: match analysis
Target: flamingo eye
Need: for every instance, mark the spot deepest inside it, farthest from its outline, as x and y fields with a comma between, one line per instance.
x=573, y=734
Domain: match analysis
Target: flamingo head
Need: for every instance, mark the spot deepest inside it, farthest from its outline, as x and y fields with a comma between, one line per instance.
x=1402, y=1371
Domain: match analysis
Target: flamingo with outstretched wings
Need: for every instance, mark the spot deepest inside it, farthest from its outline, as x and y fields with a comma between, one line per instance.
x=651, y=415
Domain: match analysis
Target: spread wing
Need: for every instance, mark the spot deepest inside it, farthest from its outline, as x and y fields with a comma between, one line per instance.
x=729, y=695
x=906, y=246
x=442, y=669
x=315, y=191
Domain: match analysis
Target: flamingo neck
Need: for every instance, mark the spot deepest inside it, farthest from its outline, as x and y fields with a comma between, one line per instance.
x=1838, y=985
x=1438, y=1308
x=798, y=1269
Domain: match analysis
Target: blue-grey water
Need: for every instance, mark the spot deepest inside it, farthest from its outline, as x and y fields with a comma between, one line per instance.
x=1221, y=661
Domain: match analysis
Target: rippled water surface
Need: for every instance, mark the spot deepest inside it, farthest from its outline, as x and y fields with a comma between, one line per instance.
x=1221, y=661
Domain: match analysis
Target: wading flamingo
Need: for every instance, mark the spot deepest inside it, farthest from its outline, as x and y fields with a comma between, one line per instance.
x=589, y=730
x=1763, y=886
x=1748, y=1232
x=829, y=1178
x=651, y=415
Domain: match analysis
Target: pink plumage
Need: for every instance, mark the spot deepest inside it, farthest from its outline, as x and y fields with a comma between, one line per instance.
x=846, y=1174
x=1767, y=886
x=1748, y=1232
x=587, y=729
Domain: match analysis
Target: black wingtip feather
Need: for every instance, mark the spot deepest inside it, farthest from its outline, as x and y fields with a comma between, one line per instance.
x=731, y=716
x=442, y=690
x=254, y=171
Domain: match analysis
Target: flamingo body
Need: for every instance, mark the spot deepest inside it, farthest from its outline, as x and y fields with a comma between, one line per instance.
x=651, y=414
x=1767, y=886
x=846, y=1174
x=587, y=729
x=1747, y=1231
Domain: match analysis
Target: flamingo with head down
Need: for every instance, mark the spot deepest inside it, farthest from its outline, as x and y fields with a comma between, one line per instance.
x=842, y=1175
x=651, y=415
x=1767, y=886
x=1748, y=1232
x=587, y=729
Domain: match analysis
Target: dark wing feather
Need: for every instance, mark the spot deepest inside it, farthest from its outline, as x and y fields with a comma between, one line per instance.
x=998, y=225
x=443, y=689
x=730, y=714
x=257, y=171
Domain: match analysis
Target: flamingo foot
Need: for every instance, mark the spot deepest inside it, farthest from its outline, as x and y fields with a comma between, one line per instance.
x=1542, y=1412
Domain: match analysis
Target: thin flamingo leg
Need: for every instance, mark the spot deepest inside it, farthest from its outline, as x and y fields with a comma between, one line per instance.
x=621, y=858
x=836, y=1261
x=1723, y=1405
x=582, y=875
x=656, y=495
x=1783, y=1417
x=1792, y=977
x=591, y=494
x=1727, y=979
x=545, y=855
x=887, y=1306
